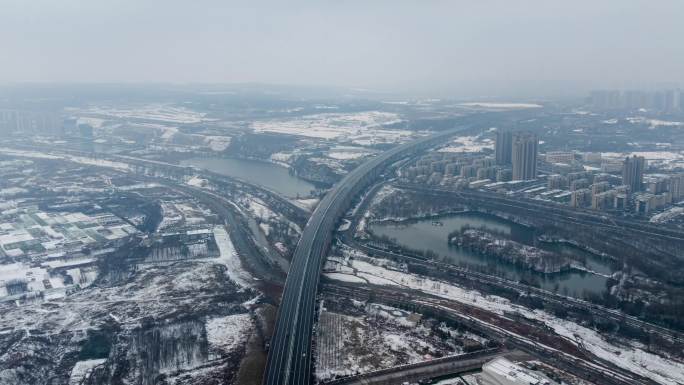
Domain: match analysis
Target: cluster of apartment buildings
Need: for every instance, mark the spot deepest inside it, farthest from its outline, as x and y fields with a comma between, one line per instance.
x=42, y=123
x=453, y=169
x=632, y=190
x=30, y=122
x=666, y=101
x=583, y=180
x=514, y=165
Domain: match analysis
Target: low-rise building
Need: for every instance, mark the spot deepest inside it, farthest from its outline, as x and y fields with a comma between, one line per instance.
x=501, y=371
x=566, y=157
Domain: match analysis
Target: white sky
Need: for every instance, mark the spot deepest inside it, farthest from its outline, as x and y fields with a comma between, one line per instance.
x=473, y=48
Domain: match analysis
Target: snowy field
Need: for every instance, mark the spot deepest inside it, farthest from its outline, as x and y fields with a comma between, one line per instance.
x=71, y=158
x=227, y=334
x=348, y=152
x=229, y=258
x=163, y=121
x=196, y=181
x=217, y=143
x=96, y=123
x=468, y=144
x=155, y=112
x=356, y=337
x=35, y=278
x=362, y=128
x=258, y=208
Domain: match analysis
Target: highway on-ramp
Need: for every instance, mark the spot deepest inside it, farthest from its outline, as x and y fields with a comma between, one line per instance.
x=289, y=357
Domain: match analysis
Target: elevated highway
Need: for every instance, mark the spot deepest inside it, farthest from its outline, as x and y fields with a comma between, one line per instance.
x=425, y=370
x=289, y=357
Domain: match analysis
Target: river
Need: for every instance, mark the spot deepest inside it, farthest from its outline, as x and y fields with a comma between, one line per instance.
x=432, y=234
x=266, y=174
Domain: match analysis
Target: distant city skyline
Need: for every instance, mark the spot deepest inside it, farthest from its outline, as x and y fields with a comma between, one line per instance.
x=533, y=49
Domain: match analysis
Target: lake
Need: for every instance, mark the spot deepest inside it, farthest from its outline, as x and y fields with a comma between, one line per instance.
x=266, y=174
x=426, y=234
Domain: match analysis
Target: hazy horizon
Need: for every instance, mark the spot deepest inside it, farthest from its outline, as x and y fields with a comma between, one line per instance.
x=533, y=49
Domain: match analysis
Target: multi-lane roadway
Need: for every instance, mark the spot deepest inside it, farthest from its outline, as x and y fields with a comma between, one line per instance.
x=289, y=357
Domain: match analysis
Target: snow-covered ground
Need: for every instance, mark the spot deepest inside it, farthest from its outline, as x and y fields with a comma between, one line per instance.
x=163, y=121
x=501, y=106
x=281, y=157
x=72, y=158
x=227, y=334
x=230, y=259
x=345, y=277
x=363, y=128
x=259, y=209
x=138, y=186
x=664, y=159
x=218, y=143
x=196, y=181
x=361, y=337
x=160, y=292
x=307, y=203
x=171, y=216
x=668, y=215
x=653, y=123
x=336, y=165
x=468, y=144
x=93, y=122
x=82, y=370
x=157, y=112
x=649, y=155
x=630, y=357
x=33, y=276
x=26, y=227
x=348, y=152
x=163, y=131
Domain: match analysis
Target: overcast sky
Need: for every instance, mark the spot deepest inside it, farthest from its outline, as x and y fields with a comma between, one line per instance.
x=459, y=48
